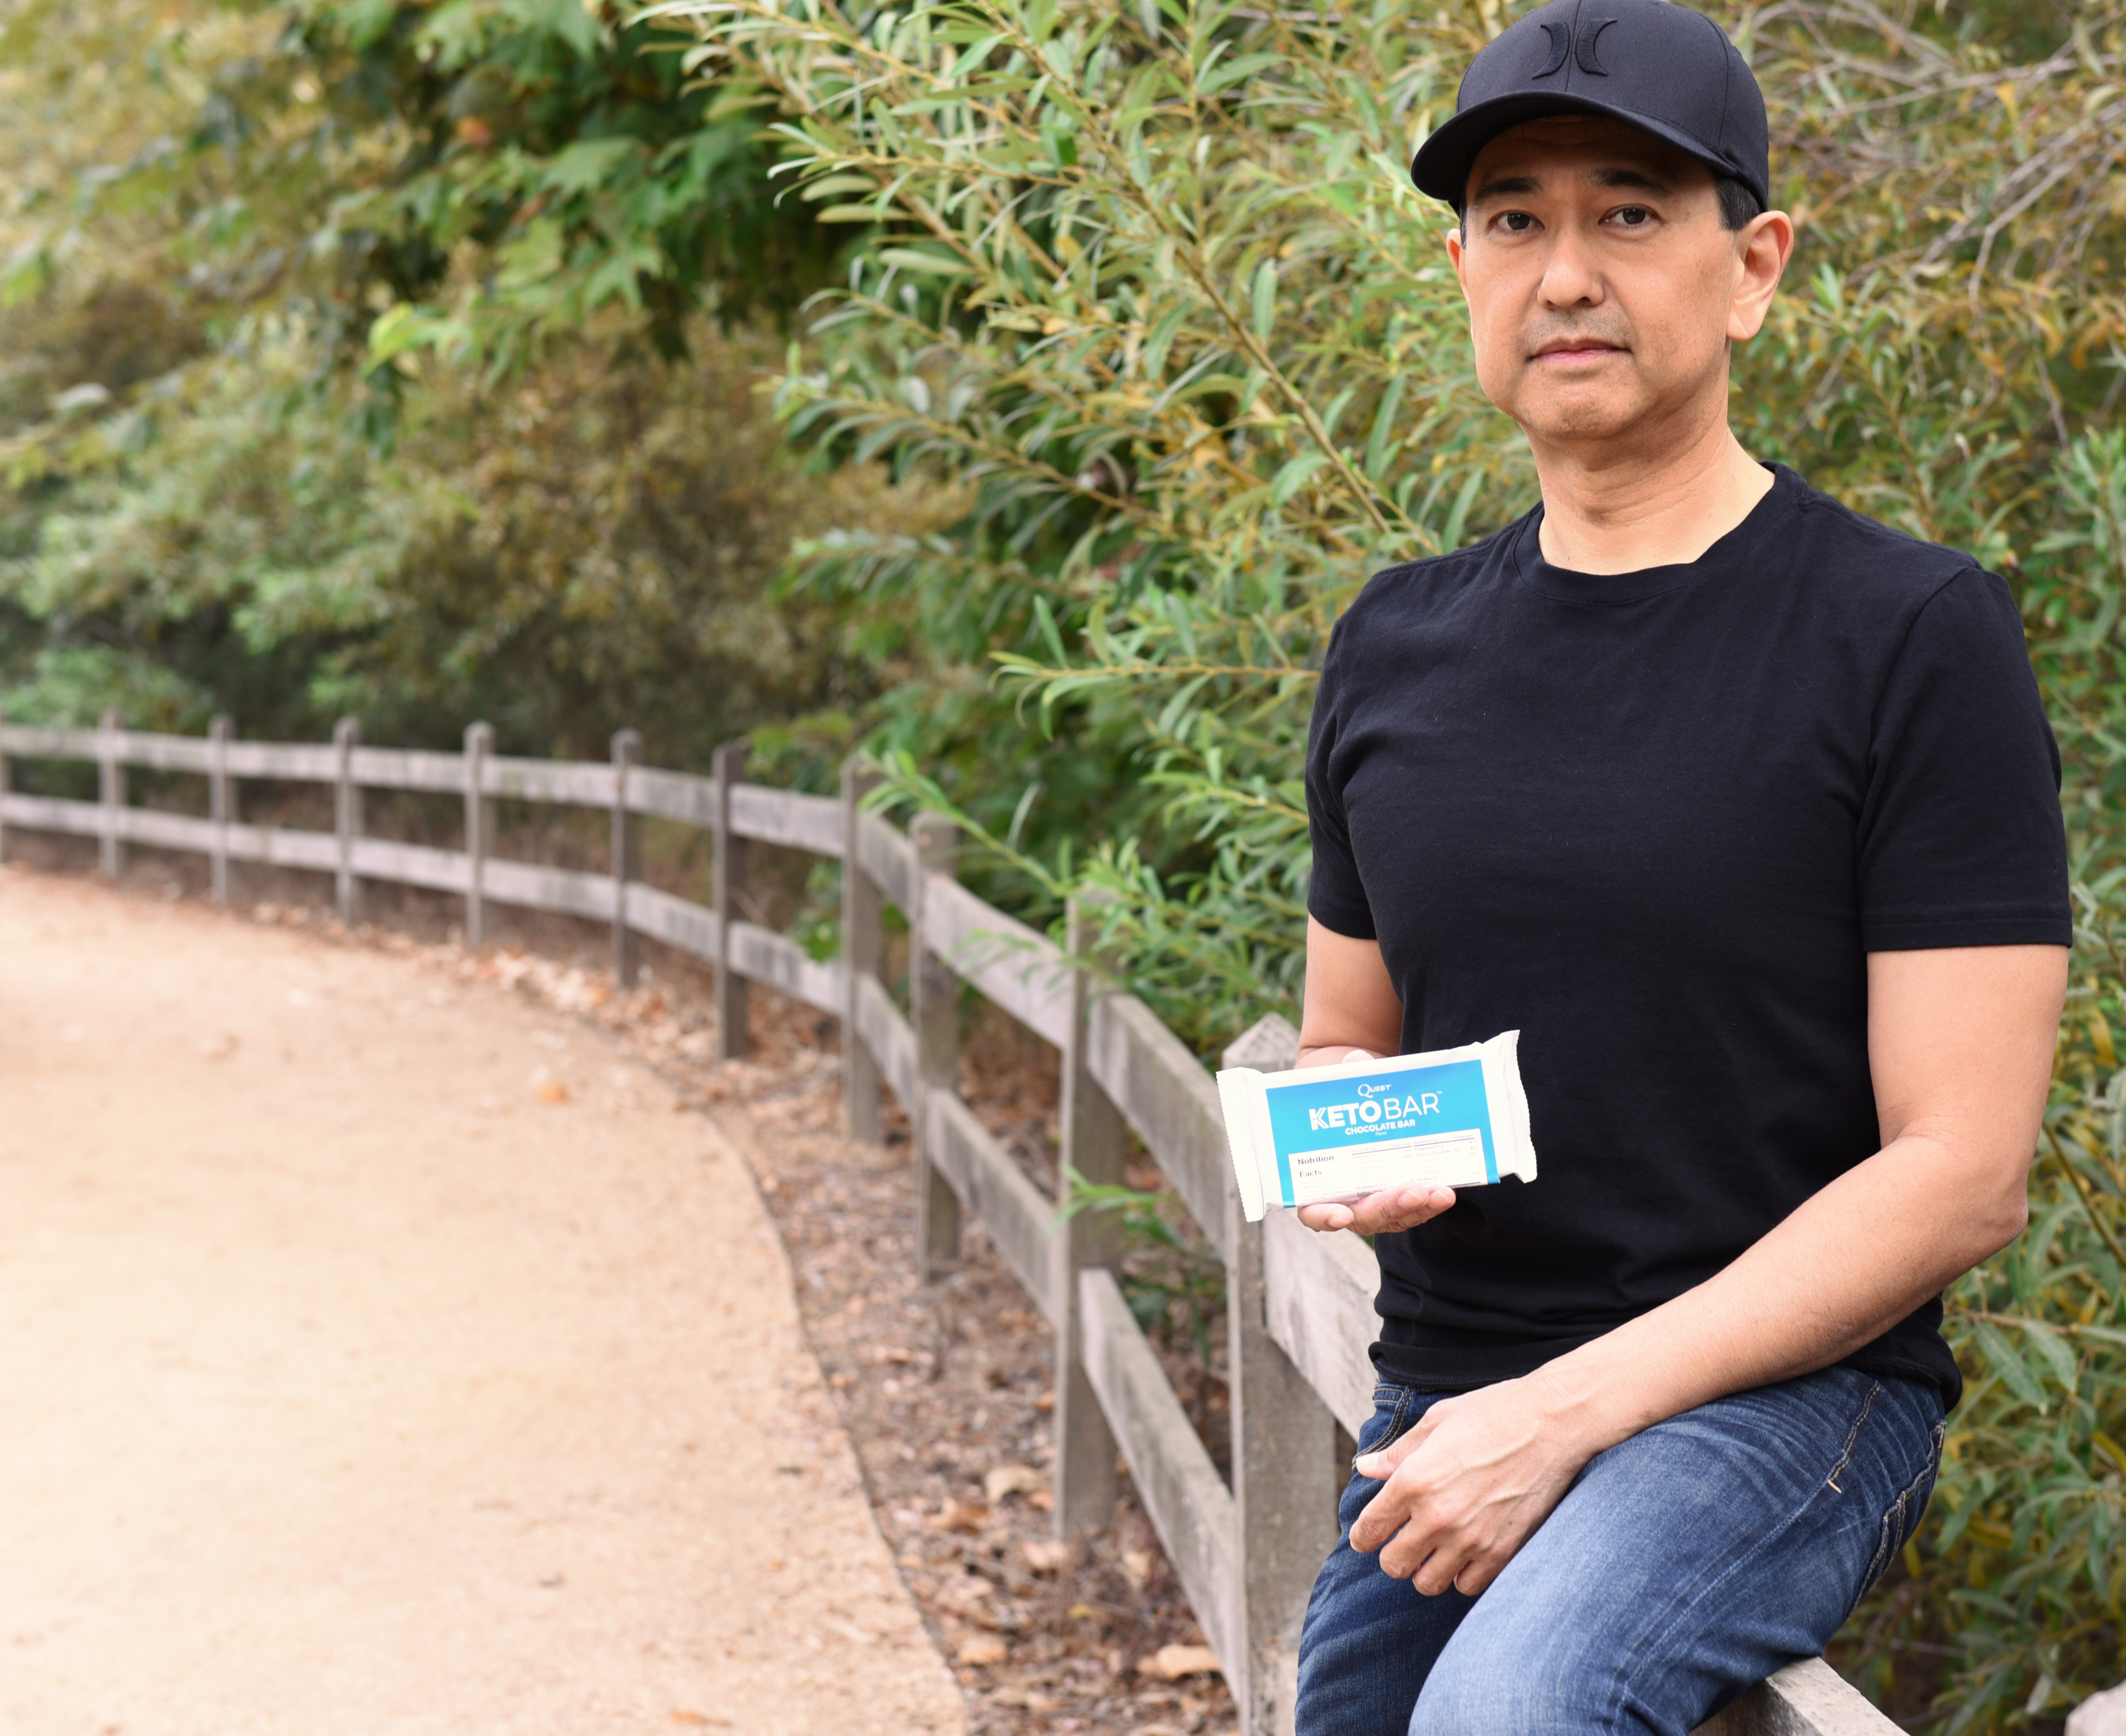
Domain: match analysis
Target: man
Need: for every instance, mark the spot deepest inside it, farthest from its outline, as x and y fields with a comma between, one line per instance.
x=1743, y=810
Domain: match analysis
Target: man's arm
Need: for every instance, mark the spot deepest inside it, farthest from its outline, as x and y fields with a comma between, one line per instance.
x=1351, y=1006
x=1960, y=1044
x=1352, y=1012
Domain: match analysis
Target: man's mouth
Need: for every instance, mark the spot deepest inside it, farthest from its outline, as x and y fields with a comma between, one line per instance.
x=1566, y=350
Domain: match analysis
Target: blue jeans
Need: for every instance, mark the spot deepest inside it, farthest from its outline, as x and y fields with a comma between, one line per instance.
x=1683, y=1564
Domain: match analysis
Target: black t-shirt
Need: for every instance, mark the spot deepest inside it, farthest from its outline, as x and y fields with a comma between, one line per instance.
x=1656, y=820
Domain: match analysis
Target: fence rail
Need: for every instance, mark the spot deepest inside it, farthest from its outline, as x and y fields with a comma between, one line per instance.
x=1300, y=1305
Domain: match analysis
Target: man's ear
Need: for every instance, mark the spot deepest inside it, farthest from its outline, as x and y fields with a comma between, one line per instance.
x=1761, y=251
x=1458, y=256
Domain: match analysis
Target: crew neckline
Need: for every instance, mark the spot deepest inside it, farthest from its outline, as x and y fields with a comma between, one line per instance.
x=1644, y=583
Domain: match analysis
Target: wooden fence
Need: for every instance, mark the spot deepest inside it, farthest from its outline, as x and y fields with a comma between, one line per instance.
x=1300, y=1305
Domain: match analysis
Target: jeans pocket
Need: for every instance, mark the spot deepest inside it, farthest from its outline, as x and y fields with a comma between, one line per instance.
x=1901, y=1522
x=1390, y=1418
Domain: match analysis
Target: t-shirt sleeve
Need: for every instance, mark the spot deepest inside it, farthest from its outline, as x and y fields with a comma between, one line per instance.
x=1336, y=897
x=1961, y=843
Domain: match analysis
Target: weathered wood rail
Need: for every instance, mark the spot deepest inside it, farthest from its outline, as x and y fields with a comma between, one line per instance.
x=1300, y=1305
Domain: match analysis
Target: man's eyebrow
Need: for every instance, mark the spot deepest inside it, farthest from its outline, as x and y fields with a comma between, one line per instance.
x=1507, y=187
x=1500, y=187
x=1637, y=178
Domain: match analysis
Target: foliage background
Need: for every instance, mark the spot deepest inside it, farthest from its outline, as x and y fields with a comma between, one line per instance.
x=394, y=359
x=402, y=358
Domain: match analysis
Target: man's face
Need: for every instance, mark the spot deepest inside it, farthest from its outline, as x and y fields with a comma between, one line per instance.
x=1603, y=289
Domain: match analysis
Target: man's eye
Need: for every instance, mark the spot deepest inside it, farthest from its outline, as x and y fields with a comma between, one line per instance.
x=1634, y=216
x=1517, y=222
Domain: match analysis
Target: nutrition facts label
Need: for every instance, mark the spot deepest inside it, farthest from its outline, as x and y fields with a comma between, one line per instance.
x=1454, y=1159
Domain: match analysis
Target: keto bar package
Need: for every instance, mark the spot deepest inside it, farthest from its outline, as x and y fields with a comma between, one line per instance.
x=1456, y=1116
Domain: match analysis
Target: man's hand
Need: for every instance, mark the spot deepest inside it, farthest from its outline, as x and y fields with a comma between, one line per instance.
x=1469, y=1485
x=1381, y=1214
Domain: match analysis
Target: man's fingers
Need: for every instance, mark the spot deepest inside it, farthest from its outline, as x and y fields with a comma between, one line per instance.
x=1382, y=1462
x=1476, y=1575
x=1440, y=1573
x=1380, y=1214
x=1434, y=1556
x=1394, y=1209
x=1381, y=1465
x=1382, y=1518
x=1379, y=1526
x=1428, y=1557
x=1395, y=1505
x=1434, y=1565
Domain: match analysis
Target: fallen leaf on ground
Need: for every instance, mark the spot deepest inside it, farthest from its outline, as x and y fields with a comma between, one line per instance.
x=1136, y=1568
x=958, y=1518
x=1029, y=1700
x=1171, y=1662
x=1046, y=1554
x=1011, y=1479
x=983, y=1649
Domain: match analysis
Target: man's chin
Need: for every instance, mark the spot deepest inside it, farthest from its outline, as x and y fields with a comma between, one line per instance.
x=1578, y=419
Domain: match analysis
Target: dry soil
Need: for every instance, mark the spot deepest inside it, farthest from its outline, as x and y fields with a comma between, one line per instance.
x=384, y=1354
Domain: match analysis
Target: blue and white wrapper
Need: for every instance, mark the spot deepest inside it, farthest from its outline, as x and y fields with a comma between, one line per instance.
x=1456, y=1117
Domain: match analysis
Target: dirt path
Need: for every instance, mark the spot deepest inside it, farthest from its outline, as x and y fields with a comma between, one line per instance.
x=381, y=1354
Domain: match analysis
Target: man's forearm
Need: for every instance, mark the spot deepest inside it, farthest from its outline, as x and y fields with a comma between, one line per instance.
x=1847, y=1266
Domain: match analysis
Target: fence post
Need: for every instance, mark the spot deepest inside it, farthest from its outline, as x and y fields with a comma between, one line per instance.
x=1093, y=1147
x=729, y=765
x=627, y=750
x=479, y=825
x=111, y=789
x=863, y=954
x=346, y=814
x=933, y=995
x=1285, y=1474
x=220, y=807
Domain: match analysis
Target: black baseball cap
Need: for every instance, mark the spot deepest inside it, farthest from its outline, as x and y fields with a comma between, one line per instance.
x=1663, y=68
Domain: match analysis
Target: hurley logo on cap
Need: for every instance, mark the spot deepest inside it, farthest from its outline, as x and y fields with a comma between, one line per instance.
x=1579, y=42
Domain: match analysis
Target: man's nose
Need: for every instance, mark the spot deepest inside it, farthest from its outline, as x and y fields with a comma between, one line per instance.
x=1572, y=277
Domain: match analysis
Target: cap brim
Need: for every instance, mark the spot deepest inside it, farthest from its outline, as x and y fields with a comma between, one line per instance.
x=1442, y=162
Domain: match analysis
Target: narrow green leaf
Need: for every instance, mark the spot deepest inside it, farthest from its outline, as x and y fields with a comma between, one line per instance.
x=1292, y=477
x=1384, y=423
x=2013, y=1371
x=920, y=259
x=1265, y=298
x=2057, y=1353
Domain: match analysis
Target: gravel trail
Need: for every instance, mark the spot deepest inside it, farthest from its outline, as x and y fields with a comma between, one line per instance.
x=383, y=1355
